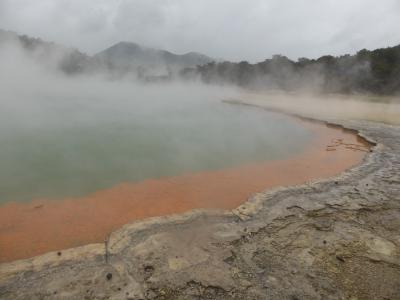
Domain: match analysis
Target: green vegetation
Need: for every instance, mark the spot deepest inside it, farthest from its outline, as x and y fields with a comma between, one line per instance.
x=376, y=72
x=373, y=72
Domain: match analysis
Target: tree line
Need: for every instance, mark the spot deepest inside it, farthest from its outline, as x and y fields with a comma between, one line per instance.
x=376, y=72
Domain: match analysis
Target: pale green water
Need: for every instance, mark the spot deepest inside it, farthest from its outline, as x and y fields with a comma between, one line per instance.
x=55, y=147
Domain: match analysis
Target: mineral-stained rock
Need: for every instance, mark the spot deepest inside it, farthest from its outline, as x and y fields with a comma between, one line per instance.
x=334, y=239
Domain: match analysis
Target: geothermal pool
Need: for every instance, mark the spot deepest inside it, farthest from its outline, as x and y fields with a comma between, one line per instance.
x=57, y=148
x=77, y=167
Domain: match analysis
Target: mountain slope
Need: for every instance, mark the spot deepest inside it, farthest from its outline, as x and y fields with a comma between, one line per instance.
x=125, y=54
x=119, y=60
x=68, y=60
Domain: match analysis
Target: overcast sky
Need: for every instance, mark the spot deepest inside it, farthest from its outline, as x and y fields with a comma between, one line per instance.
x=232, y=29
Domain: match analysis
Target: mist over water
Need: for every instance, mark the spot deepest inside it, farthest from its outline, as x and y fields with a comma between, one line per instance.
x=64, y=136
x=69, y=136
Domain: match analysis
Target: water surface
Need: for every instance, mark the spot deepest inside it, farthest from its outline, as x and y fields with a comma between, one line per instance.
x=56, y=146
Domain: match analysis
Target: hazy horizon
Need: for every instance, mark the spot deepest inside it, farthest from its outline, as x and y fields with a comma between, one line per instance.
x=222, y=30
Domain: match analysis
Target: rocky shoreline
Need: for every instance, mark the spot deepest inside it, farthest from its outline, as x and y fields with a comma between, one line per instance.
x=333, y=239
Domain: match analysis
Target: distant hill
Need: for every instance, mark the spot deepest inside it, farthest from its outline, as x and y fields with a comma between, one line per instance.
x=119, y=60
x=375, y=72
x=125, y=54
x=68, y=60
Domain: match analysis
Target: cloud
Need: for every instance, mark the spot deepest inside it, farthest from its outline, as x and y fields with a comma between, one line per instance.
x=235, y=30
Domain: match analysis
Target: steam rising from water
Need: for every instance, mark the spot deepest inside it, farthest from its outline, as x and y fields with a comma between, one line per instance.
x=65, y=136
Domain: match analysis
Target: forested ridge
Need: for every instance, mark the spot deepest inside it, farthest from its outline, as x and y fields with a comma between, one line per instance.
x=376, y=72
